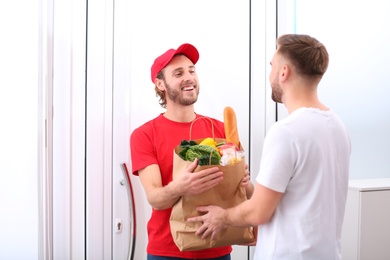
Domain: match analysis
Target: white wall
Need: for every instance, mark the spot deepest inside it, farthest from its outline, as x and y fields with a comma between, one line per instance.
x=356, y=85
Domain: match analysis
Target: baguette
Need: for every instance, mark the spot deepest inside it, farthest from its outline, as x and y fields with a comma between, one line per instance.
x=230, y=125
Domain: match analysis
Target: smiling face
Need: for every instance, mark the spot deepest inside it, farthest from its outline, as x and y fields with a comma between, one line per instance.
x=180, y=81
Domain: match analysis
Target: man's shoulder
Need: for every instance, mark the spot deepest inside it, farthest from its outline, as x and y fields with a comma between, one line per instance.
x=146, y=127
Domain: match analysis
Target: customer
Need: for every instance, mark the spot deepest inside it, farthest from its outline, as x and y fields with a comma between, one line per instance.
x=152, y=144
x=300, y=192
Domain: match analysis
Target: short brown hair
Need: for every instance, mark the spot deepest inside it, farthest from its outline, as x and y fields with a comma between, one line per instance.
x=307, y=54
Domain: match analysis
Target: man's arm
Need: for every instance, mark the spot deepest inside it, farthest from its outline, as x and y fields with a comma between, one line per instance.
x=255, y=211
x=159, y=197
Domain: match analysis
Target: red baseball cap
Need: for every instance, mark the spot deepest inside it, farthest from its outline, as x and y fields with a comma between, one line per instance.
x=160, y=62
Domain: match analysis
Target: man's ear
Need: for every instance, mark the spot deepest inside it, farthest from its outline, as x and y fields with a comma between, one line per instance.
x=284, y=73
x=159, y=84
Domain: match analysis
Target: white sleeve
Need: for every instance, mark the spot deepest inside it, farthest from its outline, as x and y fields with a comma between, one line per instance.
x=278, y=158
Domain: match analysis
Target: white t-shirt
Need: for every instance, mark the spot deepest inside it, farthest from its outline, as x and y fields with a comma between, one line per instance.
x=306, y=157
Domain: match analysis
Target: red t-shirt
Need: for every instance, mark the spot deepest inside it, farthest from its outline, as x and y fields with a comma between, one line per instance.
x=153, y=143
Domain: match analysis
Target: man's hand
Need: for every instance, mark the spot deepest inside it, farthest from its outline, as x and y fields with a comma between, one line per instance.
x=194, y=183
x=213, y=221
x=246, y=180
x=187, y=182
x=246, y=183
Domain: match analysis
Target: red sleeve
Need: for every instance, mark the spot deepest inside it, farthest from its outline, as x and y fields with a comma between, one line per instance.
x=142, y=150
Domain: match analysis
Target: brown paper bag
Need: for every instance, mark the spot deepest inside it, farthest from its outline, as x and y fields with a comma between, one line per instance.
x=226, y=194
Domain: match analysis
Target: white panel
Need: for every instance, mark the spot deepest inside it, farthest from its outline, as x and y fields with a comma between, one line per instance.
x=99, y=130
x=68, y=128
x=120, y=203
x=374, y=225
x=262, y=49
x=366, y=228
x=61, y=130
x=263, y=35
x=19, y=146
x=45, y=161
x=350, y=231
x=77, y=178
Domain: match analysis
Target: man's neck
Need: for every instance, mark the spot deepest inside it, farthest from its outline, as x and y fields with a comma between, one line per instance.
x=309, y=102
x=301, y=94
x=182, y=114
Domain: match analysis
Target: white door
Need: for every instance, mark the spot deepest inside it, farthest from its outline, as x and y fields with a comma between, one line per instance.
x=142, y=31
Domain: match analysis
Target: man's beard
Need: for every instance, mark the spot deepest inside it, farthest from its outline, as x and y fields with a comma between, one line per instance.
x=277, y=92
x=177, y=97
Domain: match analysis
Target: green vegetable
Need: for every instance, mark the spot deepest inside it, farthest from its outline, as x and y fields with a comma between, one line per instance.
x=206, y=154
